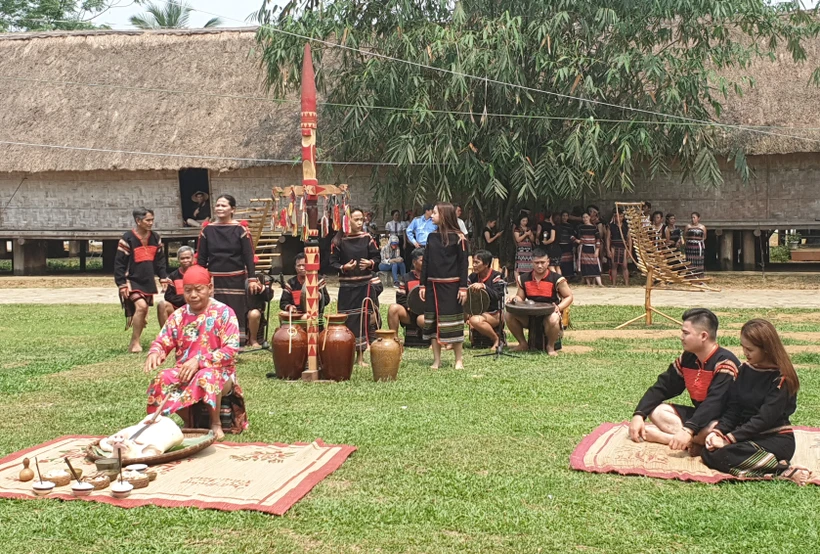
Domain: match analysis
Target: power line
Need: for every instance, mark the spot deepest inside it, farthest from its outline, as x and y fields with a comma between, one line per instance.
x=497, y=82
x=197, y=156
x=387, y=108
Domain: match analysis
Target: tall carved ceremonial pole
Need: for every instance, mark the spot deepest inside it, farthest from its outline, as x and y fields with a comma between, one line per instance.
x=308, y=125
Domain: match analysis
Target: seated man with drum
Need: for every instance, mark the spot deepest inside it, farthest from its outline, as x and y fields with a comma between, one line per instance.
x=485, y=281
x=403, y=312
x=293, y=296
x=204, y=334
x=257, y=305
x=539, y=291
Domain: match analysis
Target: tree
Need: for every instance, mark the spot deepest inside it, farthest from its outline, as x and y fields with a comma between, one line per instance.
x=169, y=16
x=498, y=145
x=50, y=15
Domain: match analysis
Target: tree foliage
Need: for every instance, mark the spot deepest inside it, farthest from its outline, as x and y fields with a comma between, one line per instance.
x=167, y=16
x=49, y=15
x=495, y=145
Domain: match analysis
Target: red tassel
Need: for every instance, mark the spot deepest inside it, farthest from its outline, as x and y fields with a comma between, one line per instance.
x=256, y=259
x=244, y=223
x=206, y=223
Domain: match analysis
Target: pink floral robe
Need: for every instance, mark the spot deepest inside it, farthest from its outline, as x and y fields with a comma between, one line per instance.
x=213, y=336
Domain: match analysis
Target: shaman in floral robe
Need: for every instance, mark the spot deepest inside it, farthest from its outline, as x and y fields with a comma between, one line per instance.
x=213, y=337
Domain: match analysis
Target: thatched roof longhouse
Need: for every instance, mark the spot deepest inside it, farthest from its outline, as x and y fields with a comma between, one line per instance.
x=225, y=61
x=217, y=61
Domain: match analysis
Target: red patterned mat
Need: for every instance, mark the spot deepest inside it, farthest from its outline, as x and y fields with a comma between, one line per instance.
x=608, y=449
x=225, y=476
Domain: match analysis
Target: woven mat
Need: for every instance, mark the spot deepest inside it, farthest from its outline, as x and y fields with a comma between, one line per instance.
x=225, y=476
x=608, y=449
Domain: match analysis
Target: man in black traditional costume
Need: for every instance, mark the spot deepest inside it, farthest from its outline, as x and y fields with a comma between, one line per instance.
x=291, y=300
x=400, y=313
x=140, y=259
x=484, y=277
x=174, y=298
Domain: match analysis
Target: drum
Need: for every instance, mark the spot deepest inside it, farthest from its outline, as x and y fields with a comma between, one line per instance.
x=529, y=308
x=414, y=301
x=478, y=302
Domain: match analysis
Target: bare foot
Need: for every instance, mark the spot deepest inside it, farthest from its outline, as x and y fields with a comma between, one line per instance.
x=520, y=347
x=363, y=364
x=135, y=348
x=459, y=365
x=494, y=346
x=435, y=366
x=798, y=474
x=218, y=432
x=552, y=352
x=254, y=345
x=653, y=434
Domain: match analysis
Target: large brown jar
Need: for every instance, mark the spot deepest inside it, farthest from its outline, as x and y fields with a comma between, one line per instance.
x=337, y=349
x=290, y=347
x=385, y=356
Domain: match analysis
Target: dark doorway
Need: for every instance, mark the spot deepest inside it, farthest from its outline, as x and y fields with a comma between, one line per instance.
x=191, y=181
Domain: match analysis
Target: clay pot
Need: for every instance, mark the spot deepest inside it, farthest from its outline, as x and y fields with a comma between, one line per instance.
x=385, y=356
x=290, y=347
x=337, y=349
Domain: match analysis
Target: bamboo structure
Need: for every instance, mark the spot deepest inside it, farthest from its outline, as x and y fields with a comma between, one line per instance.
x=659, y=262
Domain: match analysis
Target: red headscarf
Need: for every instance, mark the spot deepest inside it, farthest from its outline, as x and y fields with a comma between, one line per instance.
x=196, y=275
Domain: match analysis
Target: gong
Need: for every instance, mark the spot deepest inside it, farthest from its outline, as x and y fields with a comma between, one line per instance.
x=414, y=301
x=529, y=308
x=477, y=303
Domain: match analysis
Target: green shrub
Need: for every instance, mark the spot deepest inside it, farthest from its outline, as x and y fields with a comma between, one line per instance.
x=780, y=254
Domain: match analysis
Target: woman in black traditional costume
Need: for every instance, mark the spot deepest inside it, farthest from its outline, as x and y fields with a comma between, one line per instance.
x=566, y=242
x=589, y=261
x=618, y=244
x=444, y=284
x=226, y=250
x=491, y=235
x=549, y=240
x=139, y=259
x=524, y=239
x=695, y=236
x=356, y=256
x=754, y=437
x=671, y=232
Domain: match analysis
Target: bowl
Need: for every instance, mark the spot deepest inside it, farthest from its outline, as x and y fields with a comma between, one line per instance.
x=99, y=480
x=137, y=467
x=81, y=489
x=121, y=489
x=42, y=488
x=109, y=466
x=59, y=477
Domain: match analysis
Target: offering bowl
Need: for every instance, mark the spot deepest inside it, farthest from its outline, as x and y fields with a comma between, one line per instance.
x=121, y=489
x=42, y=488
x=81, y=489
x=136, y=467
x=59, y=477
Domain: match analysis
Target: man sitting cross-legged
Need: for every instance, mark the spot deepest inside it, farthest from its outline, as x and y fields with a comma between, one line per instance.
x=205, y=335
x=484, y=277
x=399, y=313
x=173, y=293
x=706, y=371
x=541, y=285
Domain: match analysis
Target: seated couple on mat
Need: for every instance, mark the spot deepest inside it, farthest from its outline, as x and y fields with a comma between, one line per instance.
x=740, y=412
x=205, y=335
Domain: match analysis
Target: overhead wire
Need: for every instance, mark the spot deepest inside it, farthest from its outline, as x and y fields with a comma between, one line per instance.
x=486, y=79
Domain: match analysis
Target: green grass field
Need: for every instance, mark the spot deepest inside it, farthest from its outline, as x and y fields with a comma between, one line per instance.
x=447, y=461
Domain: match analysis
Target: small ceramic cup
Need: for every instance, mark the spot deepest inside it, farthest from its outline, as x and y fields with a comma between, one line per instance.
x=121, y=489
x=42, y=488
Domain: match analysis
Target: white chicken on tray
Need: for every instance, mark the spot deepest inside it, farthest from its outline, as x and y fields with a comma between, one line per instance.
x=157, y=438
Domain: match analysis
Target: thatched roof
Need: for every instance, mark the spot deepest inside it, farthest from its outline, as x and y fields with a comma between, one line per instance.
x=219, y=61
x=45, y=109
x=781, y=97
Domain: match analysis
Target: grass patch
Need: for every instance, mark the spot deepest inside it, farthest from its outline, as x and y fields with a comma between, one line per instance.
x=467, y=461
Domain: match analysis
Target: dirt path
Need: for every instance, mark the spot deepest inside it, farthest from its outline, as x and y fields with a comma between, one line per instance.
x=46, y=293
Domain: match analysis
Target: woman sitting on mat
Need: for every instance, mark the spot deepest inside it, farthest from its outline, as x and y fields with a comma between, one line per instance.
x=753, y=437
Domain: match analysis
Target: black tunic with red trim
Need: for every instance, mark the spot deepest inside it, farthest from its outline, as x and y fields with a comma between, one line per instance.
x=494, y=284
x=173, y=292
x=407, y=283
x=227, y=251
x=357, y=284
x=444, y=275
x=545, y=290
x=707, y=382
x=292, y=295
x=138, y=262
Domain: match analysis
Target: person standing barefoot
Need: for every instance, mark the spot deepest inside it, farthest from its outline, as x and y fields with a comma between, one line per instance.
x=140, y=258
x=444, y=284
